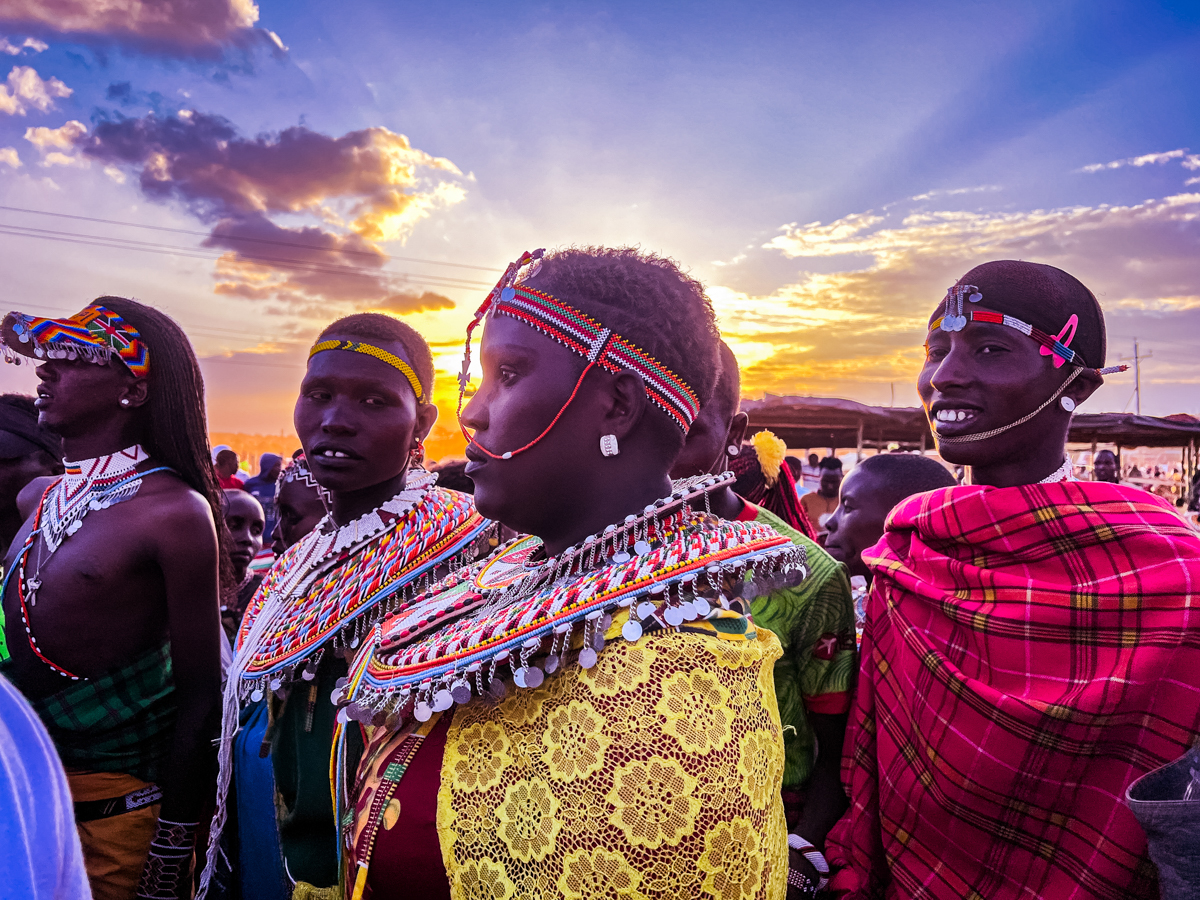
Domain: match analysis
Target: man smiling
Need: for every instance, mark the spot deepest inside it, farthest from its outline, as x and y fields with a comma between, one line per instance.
x=1031, y=642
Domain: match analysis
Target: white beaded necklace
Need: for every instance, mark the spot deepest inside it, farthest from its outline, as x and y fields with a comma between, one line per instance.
x=87, y=485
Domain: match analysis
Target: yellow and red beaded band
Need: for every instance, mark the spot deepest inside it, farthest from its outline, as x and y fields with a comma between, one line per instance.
x=379, y=353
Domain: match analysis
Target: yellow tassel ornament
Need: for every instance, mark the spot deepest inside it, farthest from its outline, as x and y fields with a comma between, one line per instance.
x=770, y=450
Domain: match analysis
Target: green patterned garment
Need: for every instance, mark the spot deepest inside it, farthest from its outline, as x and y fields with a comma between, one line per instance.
x=815, y=624
x=122, y=721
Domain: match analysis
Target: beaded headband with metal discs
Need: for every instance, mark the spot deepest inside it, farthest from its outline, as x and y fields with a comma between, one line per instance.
x=955, y=318
x=1051, y=344
x=581, y=334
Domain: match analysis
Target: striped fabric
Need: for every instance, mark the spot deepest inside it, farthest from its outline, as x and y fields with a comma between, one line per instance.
x=1028, y=653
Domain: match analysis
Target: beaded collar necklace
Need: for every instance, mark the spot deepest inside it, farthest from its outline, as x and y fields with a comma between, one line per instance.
x=581, y=334
x=324, y=588
x=511, y=611
x=88, y=485
x=1065, y=472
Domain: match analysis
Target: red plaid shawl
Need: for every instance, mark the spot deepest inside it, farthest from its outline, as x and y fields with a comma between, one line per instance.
x=1029, y=652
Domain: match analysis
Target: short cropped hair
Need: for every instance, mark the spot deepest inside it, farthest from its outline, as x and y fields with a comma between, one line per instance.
x=830, y=462
x=380, y=327
x=904, y=474
x=647, y=300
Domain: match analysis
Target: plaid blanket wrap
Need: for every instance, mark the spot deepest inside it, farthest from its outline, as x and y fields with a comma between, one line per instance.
x=1029, y=652
x=122, y=721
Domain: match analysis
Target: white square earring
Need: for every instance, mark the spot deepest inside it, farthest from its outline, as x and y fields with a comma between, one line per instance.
x=608, y=445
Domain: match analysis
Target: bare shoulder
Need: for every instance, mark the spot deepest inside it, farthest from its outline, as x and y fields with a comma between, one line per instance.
x=31, y=494
x=175, y=502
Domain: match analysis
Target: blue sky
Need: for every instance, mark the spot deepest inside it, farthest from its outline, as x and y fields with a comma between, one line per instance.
x=827, y=169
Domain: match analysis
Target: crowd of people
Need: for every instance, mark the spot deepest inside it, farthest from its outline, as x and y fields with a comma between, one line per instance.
x=623, y=651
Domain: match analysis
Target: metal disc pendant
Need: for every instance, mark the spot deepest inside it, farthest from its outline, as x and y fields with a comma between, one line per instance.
x=641, y=548
x=461, y=692
x=587, y=657
x=422, y=712
x=702, y=607
x=550, y=664
x=631, y=631
x=442, y=700
x=533, y=677
x=674, y=616
x=256, y=694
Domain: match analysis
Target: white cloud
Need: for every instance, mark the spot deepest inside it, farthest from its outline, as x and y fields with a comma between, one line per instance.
x=25, y=89
x=115, y=174
x=1149, y=159
x=837, y=331
x=981, y=189
x=7, y=46
x=62, y=138
x=9, y=157
x=54, y=158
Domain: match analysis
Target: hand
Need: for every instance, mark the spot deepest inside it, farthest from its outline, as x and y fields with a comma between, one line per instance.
x=798, y=862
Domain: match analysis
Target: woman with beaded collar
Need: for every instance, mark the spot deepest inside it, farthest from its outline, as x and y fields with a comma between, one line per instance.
x=616, y=726
x=363, y=412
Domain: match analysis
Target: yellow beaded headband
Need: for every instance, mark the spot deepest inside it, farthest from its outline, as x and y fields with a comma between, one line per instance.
x=379, y=353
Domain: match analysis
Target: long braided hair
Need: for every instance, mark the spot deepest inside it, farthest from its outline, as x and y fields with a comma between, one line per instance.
x=175, y=431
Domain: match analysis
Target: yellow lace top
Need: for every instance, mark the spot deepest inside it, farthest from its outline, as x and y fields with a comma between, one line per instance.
x=654, y=774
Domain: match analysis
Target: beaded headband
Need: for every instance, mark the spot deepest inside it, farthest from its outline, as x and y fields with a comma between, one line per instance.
x=1055, y=345
x=581, y=334
x=94, y=334
x=379, y=353
x=297, y=470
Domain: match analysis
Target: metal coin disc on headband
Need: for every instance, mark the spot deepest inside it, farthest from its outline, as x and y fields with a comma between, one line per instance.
x=955, y=318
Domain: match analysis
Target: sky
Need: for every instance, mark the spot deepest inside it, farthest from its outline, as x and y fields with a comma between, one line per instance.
x=827, y=170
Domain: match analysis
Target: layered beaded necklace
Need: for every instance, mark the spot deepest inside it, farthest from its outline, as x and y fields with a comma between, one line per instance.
x=89, y=485
x=329, y=588
x=321, y=588
x=668, y=566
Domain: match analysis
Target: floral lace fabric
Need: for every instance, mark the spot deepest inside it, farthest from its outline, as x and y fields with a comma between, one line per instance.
x=654, y=774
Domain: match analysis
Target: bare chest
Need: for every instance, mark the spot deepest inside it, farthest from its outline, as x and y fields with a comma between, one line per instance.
x=91, y=604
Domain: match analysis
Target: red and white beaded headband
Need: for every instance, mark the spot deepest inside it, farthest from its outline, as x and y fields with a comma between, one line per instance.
x=582, y=334
x=1052, y=345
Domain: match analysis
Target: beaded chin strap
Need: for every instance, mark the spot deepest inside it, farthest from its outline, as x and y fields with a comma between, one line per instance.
x=957, y=320
x=581, y=334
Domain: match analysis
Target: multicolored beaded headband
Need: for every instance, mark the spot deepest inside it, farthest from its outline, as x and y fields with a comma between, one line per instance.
x=94, y=334
x=1055, y=345
x=379, y=353
x=581, y=334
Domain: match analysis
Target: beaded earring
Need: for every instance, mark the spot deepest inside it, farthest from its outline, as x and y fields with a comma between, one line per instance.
x=608, y=445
